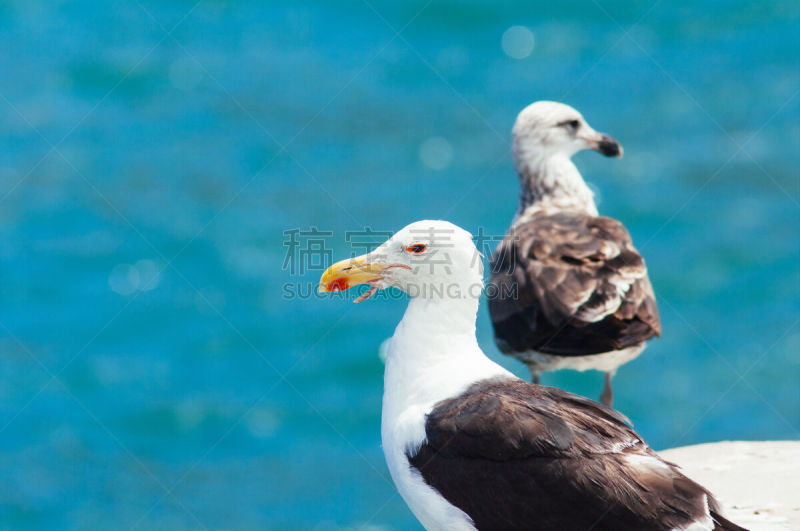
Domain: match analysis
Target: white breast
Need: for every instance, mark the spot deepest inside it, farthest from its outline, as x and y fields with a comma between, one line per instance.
x=411, y=389
x=431, y=509
x=605, y=361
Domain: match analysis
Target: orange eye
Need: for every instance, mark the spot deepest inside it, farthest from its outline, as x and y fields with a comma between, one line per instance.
x=416, y=248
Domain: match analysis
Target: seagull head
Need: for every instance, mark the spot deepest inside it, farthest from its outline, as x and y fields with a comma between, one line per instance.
x=426, y=259
x=548, y=128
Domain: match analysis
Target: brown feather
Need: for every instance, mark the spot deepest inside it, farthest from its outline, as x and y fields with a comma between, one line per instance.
x=570, y=284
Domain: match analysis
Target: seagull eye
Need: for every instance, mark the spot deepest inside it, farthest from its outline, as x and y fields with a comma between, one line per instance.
x=416, y=248
x=572, y=125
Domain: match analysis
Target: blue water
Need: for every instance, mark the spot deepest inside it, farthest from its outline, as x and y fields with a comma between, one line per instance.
x=155, y=374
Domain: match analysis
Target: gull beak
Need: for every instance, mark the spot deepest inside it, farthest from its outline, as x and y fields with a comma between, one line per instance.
x=351, y=272
x=606, y=145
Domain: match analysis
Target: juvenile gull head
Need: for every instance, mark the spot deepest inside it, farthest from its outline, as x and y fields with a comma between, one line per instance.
x=544, y=138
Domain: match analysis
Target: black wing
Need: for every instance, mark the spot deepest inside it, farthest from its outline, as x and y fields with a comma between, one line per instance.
x=570, y=284
x=514, y=455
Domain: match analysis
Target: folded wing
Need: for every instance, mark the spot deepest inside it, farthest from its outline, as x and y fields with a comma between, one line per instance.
x=570, y=284
x=514, y=455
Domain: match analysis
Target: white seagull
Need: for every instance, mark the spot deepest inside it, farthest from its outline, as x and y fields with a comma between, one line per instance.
x=568, y=289
x=471, y=446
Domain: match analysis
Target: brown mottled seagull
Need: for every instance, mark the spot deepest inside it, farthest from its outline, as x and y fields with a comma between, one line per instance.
x=471, y=446
x=568, y=289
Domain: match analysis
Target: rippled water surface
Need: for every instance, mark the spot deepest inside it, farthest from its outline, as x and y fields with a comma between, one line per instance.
x=163, y=366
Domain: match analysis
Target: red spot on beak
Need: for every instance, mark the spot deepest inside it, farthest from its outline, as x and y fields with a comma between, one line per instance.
x=339, y=284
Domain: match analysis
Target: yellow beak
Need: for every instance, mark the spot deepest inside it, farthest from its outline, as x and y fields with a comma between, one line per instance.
x=348, y=273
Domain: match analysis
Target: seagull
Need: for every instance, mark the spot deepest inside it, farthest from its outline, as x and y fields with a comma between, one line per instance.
x=471, y=446
x=568, y=289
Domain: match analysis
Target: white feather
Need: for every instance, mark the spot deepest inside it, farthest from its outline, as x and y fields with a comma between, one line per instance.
x=423, y=367
x=433, y=355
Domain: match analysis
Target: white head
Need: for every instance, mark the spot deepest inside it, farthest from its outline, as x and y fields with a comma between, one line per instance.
x=545, y=136
x=548, y=128
x=427, y=259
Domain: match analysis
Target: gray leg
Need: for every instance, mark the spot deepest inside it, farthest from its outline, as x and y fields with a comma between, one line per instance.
x=536, y=374
x=607, y=397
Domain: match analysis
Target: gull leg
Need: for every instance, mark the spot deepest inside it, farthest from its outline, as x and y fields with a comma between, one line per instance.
x=607, y=396
x=536, y=374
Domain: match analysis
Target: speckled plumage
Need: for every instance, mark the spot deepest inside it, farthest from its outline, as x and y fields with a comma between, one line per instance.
x=566, y=284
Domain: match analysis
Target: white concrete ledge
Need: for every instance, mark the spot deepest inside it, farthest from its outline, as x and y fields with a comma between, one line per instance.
x=758, y=482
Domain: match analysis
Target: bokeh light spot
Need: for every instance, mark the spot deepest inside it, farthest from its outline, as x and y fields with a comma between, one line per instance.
x=518, y=42
x=436, y=153
x=124, y=279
